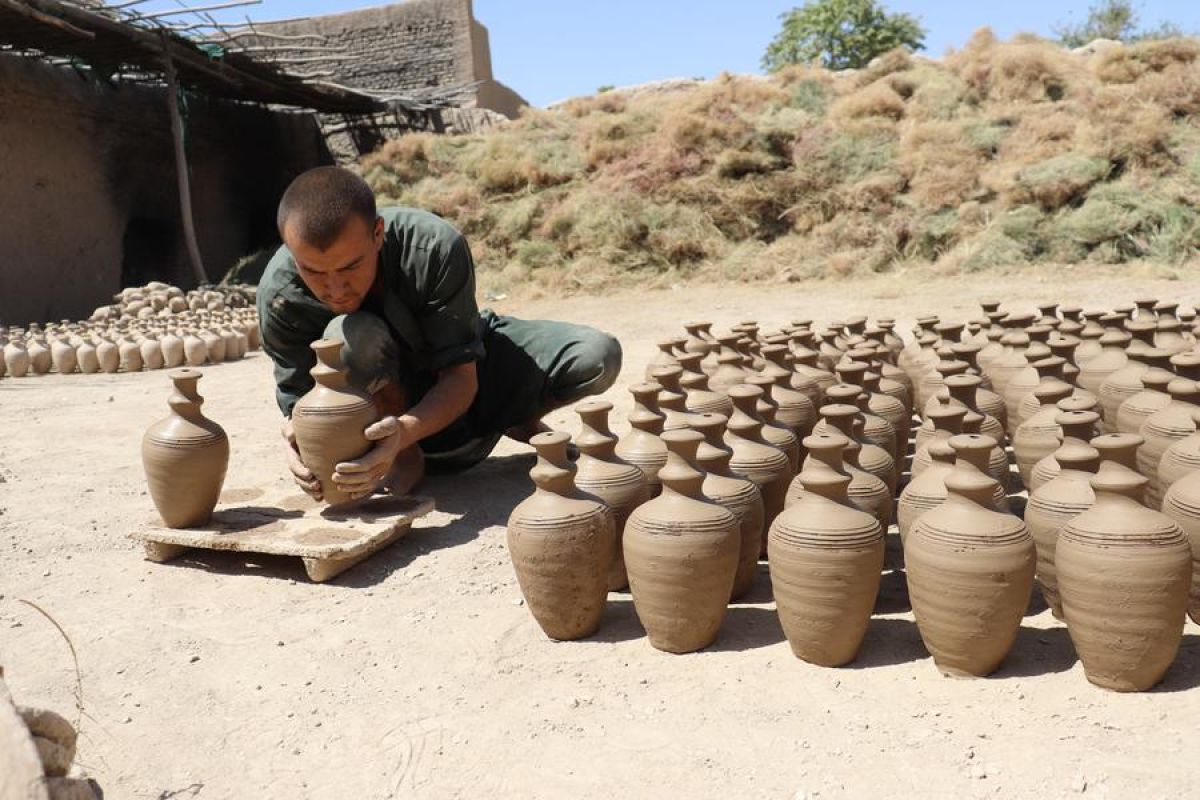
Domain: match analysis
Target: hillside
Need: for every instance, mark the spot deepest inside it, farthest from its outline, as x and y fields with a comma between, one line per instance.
x=998, y=155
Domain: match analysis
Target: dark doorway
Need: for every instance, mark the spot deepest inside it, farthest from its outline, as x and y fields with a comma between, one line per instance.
x=147, y=249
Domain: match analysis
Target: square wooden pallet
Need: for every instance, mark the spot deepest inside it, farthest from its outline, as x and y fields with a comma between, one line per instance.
x=329, y=541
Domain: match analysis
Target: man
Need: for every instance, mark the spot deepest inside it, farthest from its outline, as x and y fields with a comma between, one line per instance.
x=397, y=286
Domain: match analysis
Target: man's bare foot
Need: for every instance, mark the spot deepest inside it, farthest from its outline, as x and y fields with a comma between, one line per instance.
x=408, y=470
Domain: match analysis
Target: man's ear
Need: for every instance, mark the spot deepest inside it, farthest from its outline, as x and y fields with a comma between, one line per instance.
x=378, y=232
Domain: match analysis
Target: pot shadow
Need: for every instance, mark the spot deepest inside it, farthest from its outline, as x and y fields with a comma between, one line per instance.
x=1038, y=651
x=1017, y=504
x=893, y=594
x=229, y=562
x=1037, y=602
x=760, y=591
x=618, y=624
x=890, y=642
x=747, y=628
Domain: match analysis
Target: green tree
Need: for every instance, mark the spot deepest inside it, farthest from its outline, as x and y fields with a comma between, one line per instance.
x=1111, y=19
x=840, y=34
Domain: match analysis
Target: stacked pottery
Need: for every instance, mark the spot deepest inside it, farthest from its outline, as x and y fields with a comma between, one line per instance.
x=185, y=456
x=681, y=553
x=928, y=490
x=1123, y=576
x=601, y=472
x=739, y=495
x=970, y=573
x=331, y=419
x=642, y=446
x=561, y=541
x=1064, y=497
x=826, y=557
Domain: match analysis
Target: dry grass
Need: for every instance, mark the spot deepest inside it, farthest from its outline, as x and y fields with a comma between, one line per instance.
x=1000, y=155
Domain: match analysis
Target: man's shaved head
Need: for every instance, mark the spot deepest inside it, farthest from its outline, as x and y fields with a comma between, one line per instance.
x=319, y=203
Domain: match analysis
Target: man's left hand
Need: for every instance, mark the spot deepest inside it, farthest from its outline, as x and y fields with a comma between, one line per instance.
x=361, y=477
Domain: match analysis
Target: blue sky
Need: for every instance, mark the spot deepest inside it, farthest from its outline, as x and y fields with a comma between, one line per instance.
x=552, y=49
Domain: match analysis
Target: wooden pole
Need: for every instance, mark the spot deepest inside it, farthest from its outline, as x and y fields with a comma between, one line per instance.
x=181, y=173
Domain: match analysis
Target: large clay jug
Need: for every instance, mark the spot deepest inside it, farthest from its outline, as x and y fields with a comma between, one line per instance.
x=195, y=350
x=330, y=419
x=185, y=455
x=642, y=446
x=1164, y=428
x=867, y=492
x=754, y=458
x=848, y=421
x=928, y=489
x=1039, y=436
x=1123, y=575
x=40, y=358
x=602, y=473
x=172, y=349
x=63, y=356
x=791, y=391
x=1180, y=459
x=1064, y=497
x=561, y=542
x=826, y=557
x=1182, y=504
x=1076, y=427
x=85, y=356
x=1152, y=396
x=109, y=356
x=970, y=574
x=681, y=552
x=1127, y=381
x=740, y=495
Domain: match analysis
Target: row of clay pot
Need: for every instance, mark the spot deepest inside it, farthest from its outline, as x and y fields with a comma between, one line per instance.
x=185, y=454
x=190, y=338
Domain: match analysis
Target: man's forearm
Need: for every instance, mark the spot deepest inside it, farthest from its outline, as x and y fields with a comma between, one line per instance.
x=448, y=400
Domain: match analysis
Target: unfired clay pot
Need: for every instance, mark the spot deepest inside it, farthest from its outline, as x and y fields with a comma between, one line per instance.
x=928, y=490
x=1039, y=436
x=330, y=419
x=1137, y=408
x=1123, y=574
x=867, y=492
x=602, y=473
x=753, y=458
x=970, y=573
x=642, y=446
x=700, y=399
x=826, y=557
x=1077, y=428
x=681, y=552
x=1181, y=458
x=185, y=456
x=791, y=391
x=1110, y=357
x=1064, y=497
x=1163, y=428
x=561, y=541
x=729, y=371
x=774, y=432
x=740, y=495
x=848, y=421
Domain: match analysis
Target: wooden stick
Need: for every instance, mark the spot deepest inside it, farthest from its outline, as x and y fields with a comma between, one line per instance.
x=45, y=19
x=181, y=173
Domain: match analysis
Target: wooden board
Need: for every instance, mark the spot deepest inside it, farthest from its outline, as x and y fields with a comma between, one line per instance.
x=329, y=541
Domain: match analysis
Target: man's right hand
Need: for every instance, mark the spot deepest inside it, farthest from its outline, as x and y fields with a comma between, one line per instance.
x=303, y=476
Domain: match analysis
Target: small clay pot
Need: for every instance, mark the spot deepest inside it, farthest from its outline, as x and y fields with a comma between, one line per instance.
x=642, y=446
x=602, y=473
x=740, y=495
x=826, y=557
x=185, y=456
x=561, y=542
x=1064, y=497
x=1123, y=574
x=970, y=573
x=672, y=399
x=1039, y=436
x=792, y=392
x=329, y=421
x=681, y=553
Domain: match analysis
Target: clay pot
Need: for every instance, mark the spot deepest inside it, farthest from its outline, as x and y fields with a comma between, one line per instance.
x=666, y=355
x=1123, y=574
x=1182, y=504
x=970, y=573
x=1079, y=428
x=672, y=399
x=877, y=406
x=1049, y=372
x=826, y=557
x=1064, y=497
x=699, y=398
x=63, y=357
x=40, y=358
x=848, y=421
x=739, y=495
x=1039, y=436
x=130, y=355
x=151, y=352
x=1180, y=459
x=185, y=455
x=695, y=341
x=1152, y=397
x=85, y=357
x=928, y=490
x=681, y=552
x=1013, y=359
x=172, y=350
x=1109, y=357
x=805, y=364
x=964, y=390
x=875, y=429
x=330, y=419
x=561, y=542
x=945, y=421
x=602, y=473
x=773, y=432
x=791, y=391
x=867, y=492
x=108, y=355
x=933, y=380
x=1164, y=428
x=195, y=351
x=1127, y=381
x=729, y=371
x=642, y=446
x=754, y=458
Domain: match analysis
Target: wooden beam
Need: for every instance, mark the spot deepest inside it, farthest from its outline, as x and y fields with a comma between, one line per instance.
x=181, y=175
x=45, y=19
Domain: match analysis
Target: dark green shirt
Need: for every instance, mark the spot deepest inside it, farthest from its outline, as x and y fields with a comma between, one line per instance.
x=425, y=291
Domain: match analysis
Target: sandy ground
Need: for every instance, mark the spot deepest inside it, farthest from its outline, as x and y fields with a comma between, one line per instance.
x=421, y=674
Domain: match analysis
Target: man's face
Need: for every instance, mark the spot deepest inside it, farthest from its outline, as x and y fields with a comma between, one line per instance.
x=341, y=275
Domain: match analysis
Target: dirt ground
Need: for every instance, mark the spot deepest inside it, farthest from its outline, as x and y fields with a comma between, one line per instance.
x=420, y=674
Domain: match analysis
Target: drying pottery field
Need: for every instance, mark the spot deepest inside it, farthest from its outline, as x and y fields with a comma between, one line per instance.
x=420, y=673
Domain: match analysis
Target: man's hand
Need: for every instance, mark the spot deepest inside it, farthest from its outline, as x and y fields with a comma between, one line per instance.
x=363, y=476
x=303, y=476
